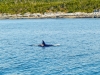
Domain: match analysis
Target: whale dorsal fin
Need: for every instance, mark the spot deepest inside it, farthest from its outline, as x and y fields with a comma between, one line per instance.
x=43, y=43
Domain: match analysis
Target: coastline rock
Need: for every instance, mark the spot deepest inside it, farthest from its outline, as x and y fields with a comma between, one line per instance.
x=50, y=15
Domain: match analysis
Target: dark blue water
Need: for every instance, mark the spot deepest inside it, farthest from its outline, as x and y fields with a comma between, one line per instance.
x=78, y=53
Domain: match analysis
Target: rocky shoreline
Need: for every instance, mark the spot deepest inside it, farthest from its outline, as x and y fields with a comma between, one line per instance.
x=50, y=15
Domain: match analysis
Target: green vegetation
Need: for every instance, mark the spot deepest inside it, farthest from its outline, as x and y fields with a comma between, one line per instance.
x=41, y=6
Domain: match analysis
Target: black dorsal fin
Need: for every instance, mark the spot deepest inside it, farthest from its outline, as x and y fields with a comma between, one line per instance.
x=43, y=43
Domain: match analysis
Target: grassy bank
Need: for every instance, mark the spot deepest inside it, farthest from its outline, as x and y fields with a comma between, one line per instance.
x=42, y=6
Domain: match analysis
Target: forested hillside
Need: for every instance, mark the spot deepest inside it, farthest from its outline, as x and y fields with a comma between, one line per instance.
x=41, y=6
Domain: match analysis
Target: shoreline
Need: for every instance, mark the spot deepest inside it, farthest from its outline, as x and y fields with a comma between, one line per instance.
x=50, y=15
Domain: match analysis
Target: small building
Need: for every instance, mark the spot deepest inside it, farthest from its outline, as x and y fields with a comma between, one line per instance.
x=96, y=10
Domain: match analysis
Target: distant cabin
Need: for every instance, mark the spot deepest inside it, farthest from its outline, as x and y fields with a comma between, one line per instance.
x=96, y=10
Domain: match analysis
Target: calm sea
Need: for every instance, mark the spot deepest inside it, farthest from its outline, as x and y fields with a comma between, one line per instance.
x=78, y=53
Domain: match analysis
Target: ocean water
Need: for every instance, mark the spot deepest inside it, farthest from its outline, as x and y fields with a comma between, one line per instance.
x=78, y=53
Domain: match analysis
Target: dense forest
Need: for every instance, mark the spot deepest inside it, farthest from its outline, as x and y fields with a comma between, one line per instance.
x=42, y=6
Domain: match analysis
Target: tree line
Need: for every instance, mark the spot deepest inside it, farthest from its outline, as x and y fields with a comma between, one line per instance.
x=42, y=6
